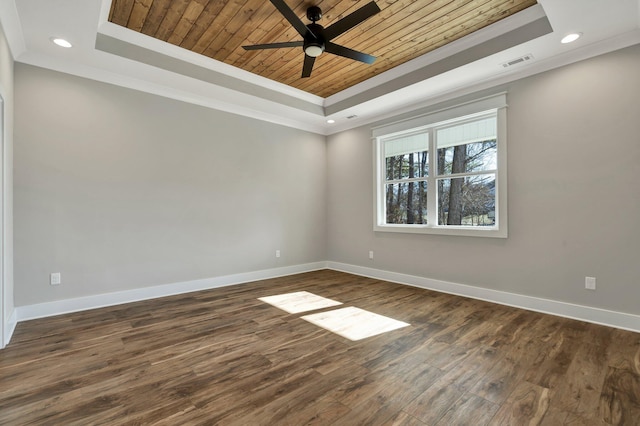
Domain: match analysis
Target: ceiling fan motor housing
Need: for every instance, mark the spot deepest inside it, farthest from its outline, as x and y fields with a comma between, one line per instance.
x=314, y=46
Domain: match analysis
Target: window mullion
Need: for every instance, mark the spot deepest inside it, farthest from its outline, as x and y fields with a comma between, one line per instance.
x=407, y=180
x=466, y=174
x=432, y=214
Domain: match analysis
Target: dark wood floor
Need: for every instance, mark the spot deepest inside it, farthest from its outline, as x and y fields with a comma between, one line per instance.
x=224, y=357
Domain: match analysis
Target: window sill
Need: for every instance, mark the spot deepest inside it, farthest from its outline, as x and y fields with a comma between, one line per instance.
x=459, y=231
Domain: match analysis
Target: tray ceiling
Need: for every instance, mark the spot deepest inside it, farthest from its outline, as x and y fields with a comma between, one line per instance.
x=473, y=64
x=403, y=30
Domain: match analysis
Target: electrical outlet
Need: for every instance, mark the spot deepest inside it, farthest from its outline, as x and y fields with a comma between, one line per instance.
x=590, y=283
x=277, y=253
x=55, y=278
x=371, y=254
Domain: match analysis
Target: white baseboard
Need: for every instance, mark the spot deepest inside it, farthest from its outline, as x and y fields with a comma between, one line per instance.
x=584, y=313
x=66, y=306
x=568, y=310
x=9, y=328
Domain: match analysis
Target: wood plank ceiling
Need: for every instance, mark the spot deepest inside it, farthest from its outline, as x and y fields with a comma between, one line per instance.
x=403, y=30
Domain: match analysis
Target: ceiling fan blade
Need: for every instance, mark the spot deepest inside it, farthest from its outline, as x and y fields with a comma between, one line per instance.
x=351, y=20
x=293, y=19
x=274, y=45
x=308, y=65
x=336, y=49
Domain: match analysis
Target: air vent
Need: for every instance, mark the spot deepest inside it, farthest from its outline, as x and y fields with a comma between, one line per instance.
x=517, y=61
x=351, y=117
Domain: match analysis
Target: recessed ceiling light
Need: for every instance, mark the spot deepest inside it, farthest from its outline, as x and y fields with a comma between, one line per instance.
x=61, y=42
x=331, y=121
x=570, y=37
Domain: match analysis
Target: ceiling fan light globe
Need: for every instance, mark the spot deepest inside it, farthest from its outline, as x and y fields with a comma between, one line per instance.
x=313, y=51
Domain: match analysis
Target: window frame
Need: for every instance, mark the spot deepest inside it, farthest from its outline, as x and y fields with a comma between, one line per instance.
x=495, y=104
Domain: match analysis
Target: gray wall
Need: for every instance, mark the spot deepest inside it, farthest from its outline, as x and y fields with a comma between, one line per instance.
x=6, y=90
x=574, y=195
x=118, y=189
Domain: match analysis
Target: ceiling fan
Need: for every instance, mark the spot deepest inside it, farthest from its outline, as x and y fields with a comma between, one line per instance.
x=316, y=38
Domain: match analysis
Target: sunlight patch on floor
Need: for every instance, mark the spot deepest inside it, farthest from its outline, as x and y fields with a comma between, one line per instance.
x=354, y=323
x=300, y=301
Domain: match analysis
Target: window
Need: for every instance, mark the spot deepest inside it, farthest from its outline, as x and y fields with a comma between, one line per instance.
x=444, y=173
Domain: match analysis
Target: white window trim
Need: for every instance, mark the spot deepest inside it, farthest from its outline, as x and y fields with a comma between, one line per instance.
x=496, y=103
